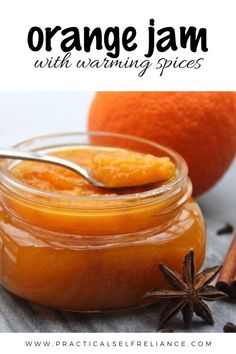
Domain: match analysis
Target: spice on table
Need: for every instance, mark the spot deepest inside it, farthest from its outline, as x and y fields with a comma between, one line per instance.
x=227, y=229
x=229, y=328
x=187, y=292
x=227, y=278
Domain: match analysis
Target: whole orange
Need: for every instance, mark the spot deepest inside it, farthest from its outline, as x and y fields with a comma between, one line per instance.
x=201, y=126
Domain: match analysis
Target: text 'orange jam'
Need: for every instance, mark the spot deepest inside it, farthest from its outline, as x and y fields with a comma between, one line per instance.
x=70, y=245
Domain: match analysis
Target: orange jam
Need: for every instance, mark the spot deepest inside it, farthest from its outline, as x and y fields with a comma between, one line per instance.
x=70, y=245
x=113, y=167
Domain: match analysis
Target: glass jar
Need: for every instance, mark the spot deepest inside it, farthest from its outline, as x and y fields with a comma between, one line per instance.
x=95, y=253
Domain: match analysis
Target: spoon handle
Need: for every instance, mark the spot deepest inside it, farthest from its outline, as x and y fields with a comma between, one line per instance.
x=21, y=155
x=36, y=156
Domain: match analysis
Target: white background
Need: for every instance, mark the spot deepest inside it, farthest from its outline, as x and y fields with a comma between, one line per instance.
x=27, y=114
x=16, y=60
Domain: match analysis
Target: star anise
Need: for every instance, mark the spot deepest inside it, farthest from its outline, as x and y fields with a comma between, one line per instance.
x=187, y=292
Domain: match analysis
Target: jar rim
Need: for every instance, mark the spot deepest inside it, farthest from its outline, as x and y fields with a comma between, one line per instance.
x=159, y=192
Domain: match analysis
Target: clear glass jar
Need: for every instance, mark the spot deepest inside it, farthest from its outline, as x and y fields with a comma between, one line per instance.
x=94, y=253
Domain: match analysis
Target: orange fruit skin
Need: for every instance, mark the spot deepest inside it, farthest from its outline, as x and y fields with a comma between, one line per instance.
x=201, y=126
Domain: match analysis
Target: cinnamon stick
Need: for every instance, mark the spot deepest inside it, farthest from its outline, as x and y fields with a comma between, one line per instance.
x=227, y=278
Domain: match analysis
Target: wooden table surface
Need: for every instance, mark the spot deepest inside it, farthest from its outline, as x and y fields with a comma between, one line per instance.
x=218, y=206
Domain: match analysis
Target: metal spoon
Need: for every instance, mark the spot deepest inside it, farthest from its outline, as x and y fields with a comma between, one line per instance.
x=36, y=156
